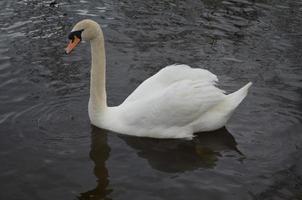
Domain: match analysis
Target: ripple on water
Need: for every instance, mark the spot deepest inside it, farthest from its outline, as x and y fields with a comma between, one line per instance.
x=53, y=122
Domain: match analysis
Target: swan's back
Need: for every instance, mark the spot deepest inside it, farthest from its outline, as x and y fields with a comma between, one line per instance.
x=169, y=75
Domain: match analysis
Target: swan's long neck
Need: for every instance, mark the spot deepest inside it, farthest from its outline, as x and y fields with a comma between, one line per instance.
x=98, y=99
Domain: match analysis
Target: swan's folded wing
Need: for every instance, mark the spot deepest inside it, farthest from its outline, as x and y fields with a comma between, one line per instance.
x=167, y=76
x=178, y=105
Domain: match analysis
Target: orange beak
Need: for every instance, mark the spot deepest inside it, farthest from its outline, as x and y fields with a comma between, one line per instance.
x=72, y=44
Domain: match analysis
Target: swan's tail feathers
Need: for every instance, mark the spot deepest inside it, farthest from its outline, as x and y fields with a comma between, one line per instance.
x=235, y=98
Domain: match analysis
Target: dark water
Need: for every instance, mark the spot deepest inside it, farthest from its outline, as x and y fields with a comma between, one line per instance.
x=48, y=150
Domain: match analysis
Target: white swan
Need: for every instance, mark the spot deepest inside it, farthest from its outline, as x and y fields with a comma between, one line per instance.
x=174, y=103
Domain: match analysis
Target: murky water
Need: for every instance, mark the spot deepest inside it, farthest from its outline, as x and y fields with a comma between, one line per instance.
x=49, y=150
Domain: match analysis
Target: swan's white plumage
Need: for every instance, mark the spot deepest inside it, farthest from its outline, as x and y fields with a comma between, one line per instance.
x=174, y=103
x=169, y=75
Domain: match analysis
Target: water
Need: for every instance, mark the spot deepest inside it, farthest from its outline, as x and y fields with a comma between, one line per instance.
x=49, y=150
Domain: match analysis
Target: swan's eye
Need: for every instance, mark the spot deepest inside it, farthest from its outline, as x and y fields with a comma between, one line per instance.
x=78, y=34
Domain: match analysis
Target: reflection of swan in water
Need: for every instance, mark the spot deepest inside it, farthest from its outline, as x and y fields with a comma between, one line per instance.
x=183, y=155
x=99, y=153
x=167, y=155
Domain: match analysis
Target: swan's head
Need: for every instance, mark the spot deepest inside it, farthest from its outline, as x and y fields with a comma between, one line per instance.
x=85, y=30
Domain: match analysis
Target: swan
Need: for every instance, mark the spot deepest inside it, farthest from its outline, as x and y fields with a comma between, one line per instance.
x=176, y=102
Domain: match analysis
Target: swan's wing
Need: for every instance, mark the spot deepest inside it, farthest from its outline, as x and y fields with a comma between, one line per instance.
x=177, y=105
x=167, y=76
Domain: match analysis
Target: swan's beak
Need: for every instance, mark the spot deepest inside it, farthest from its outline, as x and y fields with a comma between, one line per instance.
x=72, y=44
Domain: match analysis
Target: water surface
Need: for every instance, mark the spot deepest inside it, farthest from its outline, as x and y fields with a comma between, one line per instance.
x=49, y=150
